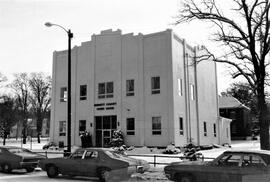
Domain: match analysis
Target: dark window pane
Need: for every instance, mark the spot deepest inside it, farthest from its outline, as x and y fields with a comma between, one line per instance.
x=106, y=122
x=63, y=94
x=83, y=92
x=114, y=122
x=155, y=83
x=101, y=88
x=130, y=123
x=109, y=87
x=82, y=126
x=98, y=122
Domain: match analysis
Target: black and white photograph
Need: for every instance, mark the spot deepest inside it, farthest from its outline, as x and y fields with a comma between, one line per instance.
x=134, y=91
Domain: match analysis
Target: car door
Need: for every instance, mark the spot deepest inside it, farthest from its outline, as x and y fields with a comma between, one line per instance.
x=73, y=164
x=254, y=168
x=90, y=162
x=225, y=169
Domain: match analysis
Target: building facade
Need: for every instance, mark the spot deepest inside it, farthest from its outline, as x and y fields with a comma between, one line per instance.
x=145, y=85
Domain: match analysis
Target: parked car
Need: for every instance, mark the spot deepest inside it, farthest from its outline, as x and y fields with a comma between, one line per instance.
x=93, y=162
x=18, y=158
x=232, y=166
x=49, y=145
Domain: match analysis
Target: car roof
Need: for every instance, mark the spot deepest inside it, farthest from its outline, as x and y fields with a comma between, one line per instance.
x=265, y=152
x=98, y=149
x=9, y=147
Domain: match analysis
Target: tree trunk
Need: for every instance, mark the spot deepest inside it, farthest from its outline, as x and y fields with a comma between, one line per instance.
x=39, y=127
x=263, y=119
x=4, y=140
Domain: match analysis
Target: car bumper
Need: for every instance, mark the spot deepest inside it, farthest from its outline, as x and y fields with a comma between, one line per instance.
x=29, y=164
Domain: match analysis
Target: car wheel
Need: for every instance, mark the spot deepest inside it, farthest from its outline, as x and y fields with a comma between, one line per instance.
x=184, y=178
x=103, y=174
x=6, y=168
x=30, y=169
x=52, y=171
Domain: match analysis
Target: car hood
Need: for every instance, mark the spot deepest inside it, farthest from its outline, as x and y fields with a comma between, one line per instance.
x=28, y=155
x=129, y=160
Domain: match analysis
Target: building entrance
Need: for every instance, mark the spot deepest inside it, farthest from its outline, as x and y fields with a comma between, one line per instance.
x=105, y=126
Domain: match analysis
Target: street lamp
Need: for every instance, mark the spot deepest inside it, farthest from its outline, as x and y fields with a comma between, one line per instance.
x=70, y=35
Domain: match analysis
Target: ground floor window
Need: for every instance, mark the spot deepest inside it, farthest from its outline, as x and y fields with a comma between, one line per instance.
x=215, y=130
x=82, y=126
x=130, y=126
x=181, y=126
x=156, y=125
x=204, y=129
x=62, y=128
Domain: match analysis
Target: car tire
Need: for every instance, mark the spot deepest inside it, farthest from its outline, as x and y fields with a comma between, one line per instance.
x=103, y=174
x=6, y=168
x=52, y=171
x=30, y=169
x=184, y=178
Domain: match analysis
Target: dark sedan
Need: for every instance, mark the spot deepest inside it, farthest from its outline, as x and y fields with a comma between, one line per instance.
x=94, y=162
x=232, y=166
x=18, y=158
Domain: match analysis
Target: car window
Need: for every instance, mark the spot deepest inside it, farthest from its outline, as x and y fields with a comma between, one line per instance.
x=253, y=161
x=112, y=154
x=230, y=160
x=77, y=155
x=91, y=155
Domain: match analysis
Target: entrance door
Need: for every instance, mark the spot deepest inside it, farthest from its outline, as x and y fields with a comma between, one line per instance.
x=105, y=126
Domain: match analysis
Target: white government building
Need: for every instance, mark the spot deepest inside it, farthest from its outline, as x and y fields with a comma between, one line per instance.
x=145, y=85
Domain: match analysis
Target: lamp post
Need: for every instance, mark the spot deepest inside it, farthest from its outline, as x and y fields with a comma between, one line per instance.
x=70, y=35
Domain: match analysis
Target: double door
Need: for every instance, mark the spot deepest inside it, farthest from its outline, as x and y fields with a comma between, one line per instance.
x=105, y=126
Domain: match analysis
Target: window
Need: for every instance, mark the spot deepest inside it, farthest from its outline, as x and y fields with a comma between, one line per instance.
x=82, y=126
x=78, y=154
x=181, y=126
x=63, y=94
x=215, y=130
x=62, y=128
x=155, y=85
x=130, y=88
x=91, y=155
x=105, y=90
x=83, y=92
x=156, y=125
x=130, y=126
x=192, y=93
x=204, y=129
x=180, y=87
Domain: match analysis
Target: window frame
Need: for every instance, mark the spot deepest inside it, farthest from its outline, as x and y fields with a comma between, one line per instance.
x=130, y=131
x=80, y=126
x=62, y=128
x=155, y=85
x=205, y=128
x=181, y=126
x=63, y=94
x=156, y=127
x=83, y=88
x=130, y=84
x=105, y=90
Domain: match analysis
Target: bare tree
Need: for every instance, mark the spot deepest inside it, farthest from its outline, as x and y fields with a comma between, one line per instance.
x=20, y=86
x=243, y=30
x=40, y=86
x=8, y=115
x=2, y=79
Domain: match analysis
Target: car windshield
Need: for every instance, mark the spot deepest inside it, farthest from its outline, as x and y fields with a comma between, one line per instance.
x=113, y=154
x=19, y=151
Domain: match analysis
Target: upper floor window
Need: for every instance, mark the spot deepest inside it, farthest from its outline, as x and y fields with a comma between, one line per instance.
x=156, y=125
x=204, y=129
x=155, y=85
x=105, y=90
x=130, y=87
x=62, y=128
x=181, y=126
x=63, y=94
x=130, y=126
x=83, y=92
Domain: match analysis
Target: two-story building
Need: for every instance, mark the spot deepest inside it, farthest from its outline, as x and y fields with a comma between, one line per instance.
x=146, y=85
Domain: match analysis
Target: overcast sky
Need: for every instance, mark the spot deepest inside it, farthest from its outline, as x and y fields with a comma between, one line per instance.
x=27, y=45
